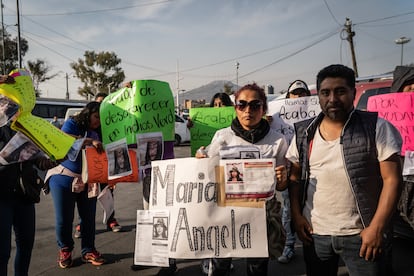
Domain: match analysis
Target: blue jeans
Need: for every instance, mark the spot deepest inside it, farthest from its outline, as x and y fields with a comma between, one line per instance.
x=64, y=202
x=286, y=220
x=19, y=215
x=323, y=255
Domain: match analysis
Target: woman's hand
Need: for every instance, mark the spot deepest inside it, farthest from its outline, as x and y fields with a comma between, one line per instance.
x=281, y=177
x=94, y=143
x=201, y=152
x=98, y=146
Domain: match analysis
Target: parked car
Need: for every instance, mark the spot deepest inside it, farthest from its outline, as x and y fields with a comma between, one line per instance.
x=182, y=133
x=366, y=89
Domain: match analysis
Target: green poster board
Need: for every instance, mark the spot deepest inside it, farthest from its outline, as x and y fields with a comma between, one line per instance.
x=206, y=121
x=148, y=106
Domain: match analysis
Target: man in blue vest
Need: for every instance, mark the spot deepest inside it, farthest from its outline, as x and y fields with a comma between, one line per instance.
x=345, y=181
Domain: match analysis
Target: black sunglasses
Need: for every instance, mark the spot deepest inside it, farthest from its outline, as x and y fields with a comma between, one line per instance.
x=254, y=105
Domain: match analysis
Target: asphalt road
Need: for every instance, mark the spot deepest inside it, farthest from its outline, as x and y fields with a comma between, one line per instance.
x=118, y=248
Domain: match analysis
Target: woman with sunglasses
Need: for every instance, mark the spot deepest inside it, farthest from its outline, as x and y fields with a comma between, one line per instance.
x=250, y=129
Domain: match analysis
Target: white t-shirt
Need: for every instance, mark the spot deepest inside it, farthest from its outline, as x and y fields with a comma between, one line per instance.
x=330, y=206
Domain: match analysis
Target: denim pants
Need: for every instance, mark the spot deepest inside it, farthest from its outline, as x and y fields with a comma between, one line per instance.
x=286, y=220
x=64, y=201
x=323, y=255
x=20, y=216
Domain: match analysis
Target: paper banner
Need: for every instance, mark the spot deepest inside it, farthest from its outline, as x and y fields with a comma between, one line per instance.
x=206, y=121
x=398, y=109
x=148, y=106
x=95, y=167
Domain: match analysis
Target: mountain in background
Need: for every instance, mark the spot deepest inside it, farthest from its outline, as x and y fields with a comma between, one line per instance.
x=207, y=91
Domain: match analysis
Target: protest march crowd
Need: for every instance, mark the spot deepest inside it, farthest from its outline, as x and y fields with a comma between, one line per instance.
x=343, y=174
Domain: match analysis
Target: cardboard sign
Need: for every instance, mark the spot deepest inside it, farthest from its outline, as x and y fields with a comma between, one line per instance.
x=95, y=167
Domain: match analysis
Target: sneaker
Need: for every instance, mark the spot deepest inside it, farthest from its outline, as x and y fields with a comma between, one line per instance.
x=287, y=255
x=93, y=257
x=114, y=226
x=65, y=257
x=77, y=234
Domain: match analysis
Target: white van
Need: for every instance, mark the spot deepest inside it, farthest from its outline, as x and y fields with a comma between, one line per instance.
x=72, y=111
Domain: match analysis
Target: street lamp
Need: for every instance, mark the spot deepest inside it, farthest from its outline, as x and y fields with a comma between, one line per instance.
x=402, y=40
x=178, y=101
x=237, y=74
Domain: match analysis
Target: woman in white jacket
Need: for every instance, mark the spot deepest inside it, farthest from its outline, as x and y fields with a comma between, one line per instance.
x=250, y=130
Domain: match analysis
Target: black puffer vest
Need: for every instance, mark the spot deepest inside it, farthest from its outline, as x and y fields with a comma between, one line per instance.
x=360, y=154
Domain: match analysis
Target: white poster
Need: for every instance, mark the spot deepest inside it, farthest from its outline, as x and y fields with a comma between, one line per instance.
x=151, y=244
x=286, y=112
x=198, y=228
x=249, y=178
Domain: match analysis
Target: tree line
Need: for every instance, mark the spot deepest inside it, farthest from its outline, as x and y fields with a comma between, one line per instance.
x=99, y=72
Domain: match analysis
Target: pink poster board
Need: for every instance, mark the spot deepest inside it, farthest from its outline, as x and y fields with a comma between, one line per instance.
x=397, y=108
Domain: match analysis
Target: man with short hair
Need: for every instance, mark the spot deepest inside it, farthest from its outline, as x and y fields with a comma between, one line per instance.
x=345, y=181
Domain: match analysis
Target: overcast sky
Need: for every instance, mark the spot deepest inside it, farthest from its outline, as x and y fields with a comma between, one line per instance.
x=274, y=42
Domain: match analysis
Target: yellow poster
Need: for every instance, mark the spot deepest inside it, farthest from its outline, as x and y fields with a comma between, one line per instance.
x=51, y=140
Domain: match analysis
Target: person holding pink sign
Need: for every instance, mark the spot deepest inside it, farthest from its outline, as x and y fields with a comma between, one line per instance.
x=403, y=81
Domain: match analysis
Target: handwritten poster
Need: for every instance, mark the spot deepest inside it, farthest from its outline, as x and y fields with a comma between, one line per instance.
x=206, y=121
x=398, y=109
x=286, y=112
x=198, y=227
x=95, y=167
x=51, y=140
x=148, y=106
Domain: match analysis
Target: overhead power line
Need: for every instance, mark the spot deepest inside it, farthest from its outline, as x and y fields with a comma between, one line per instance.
x=333, y=16
x=292, y=54
x=101, y=10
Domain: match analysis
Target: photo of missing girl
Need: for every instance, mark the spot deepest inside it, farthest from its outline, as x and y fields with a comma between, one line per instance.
x=160, y=229
x=19, y=149
x=119, y=162
x=8, y=109
x=234, y=175
x=122, y=163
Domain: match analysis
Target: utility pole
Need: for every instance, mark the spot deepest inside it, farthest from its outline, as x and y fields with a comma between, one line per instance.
x=351, y=34
x=237, y=74
x=67, y=86
x=19, y=52
x=3, y=57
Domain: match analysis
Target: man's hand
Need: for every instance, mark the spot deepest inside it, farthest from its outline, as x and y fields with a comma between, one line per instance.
x=303, y=229
x=371, y=243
